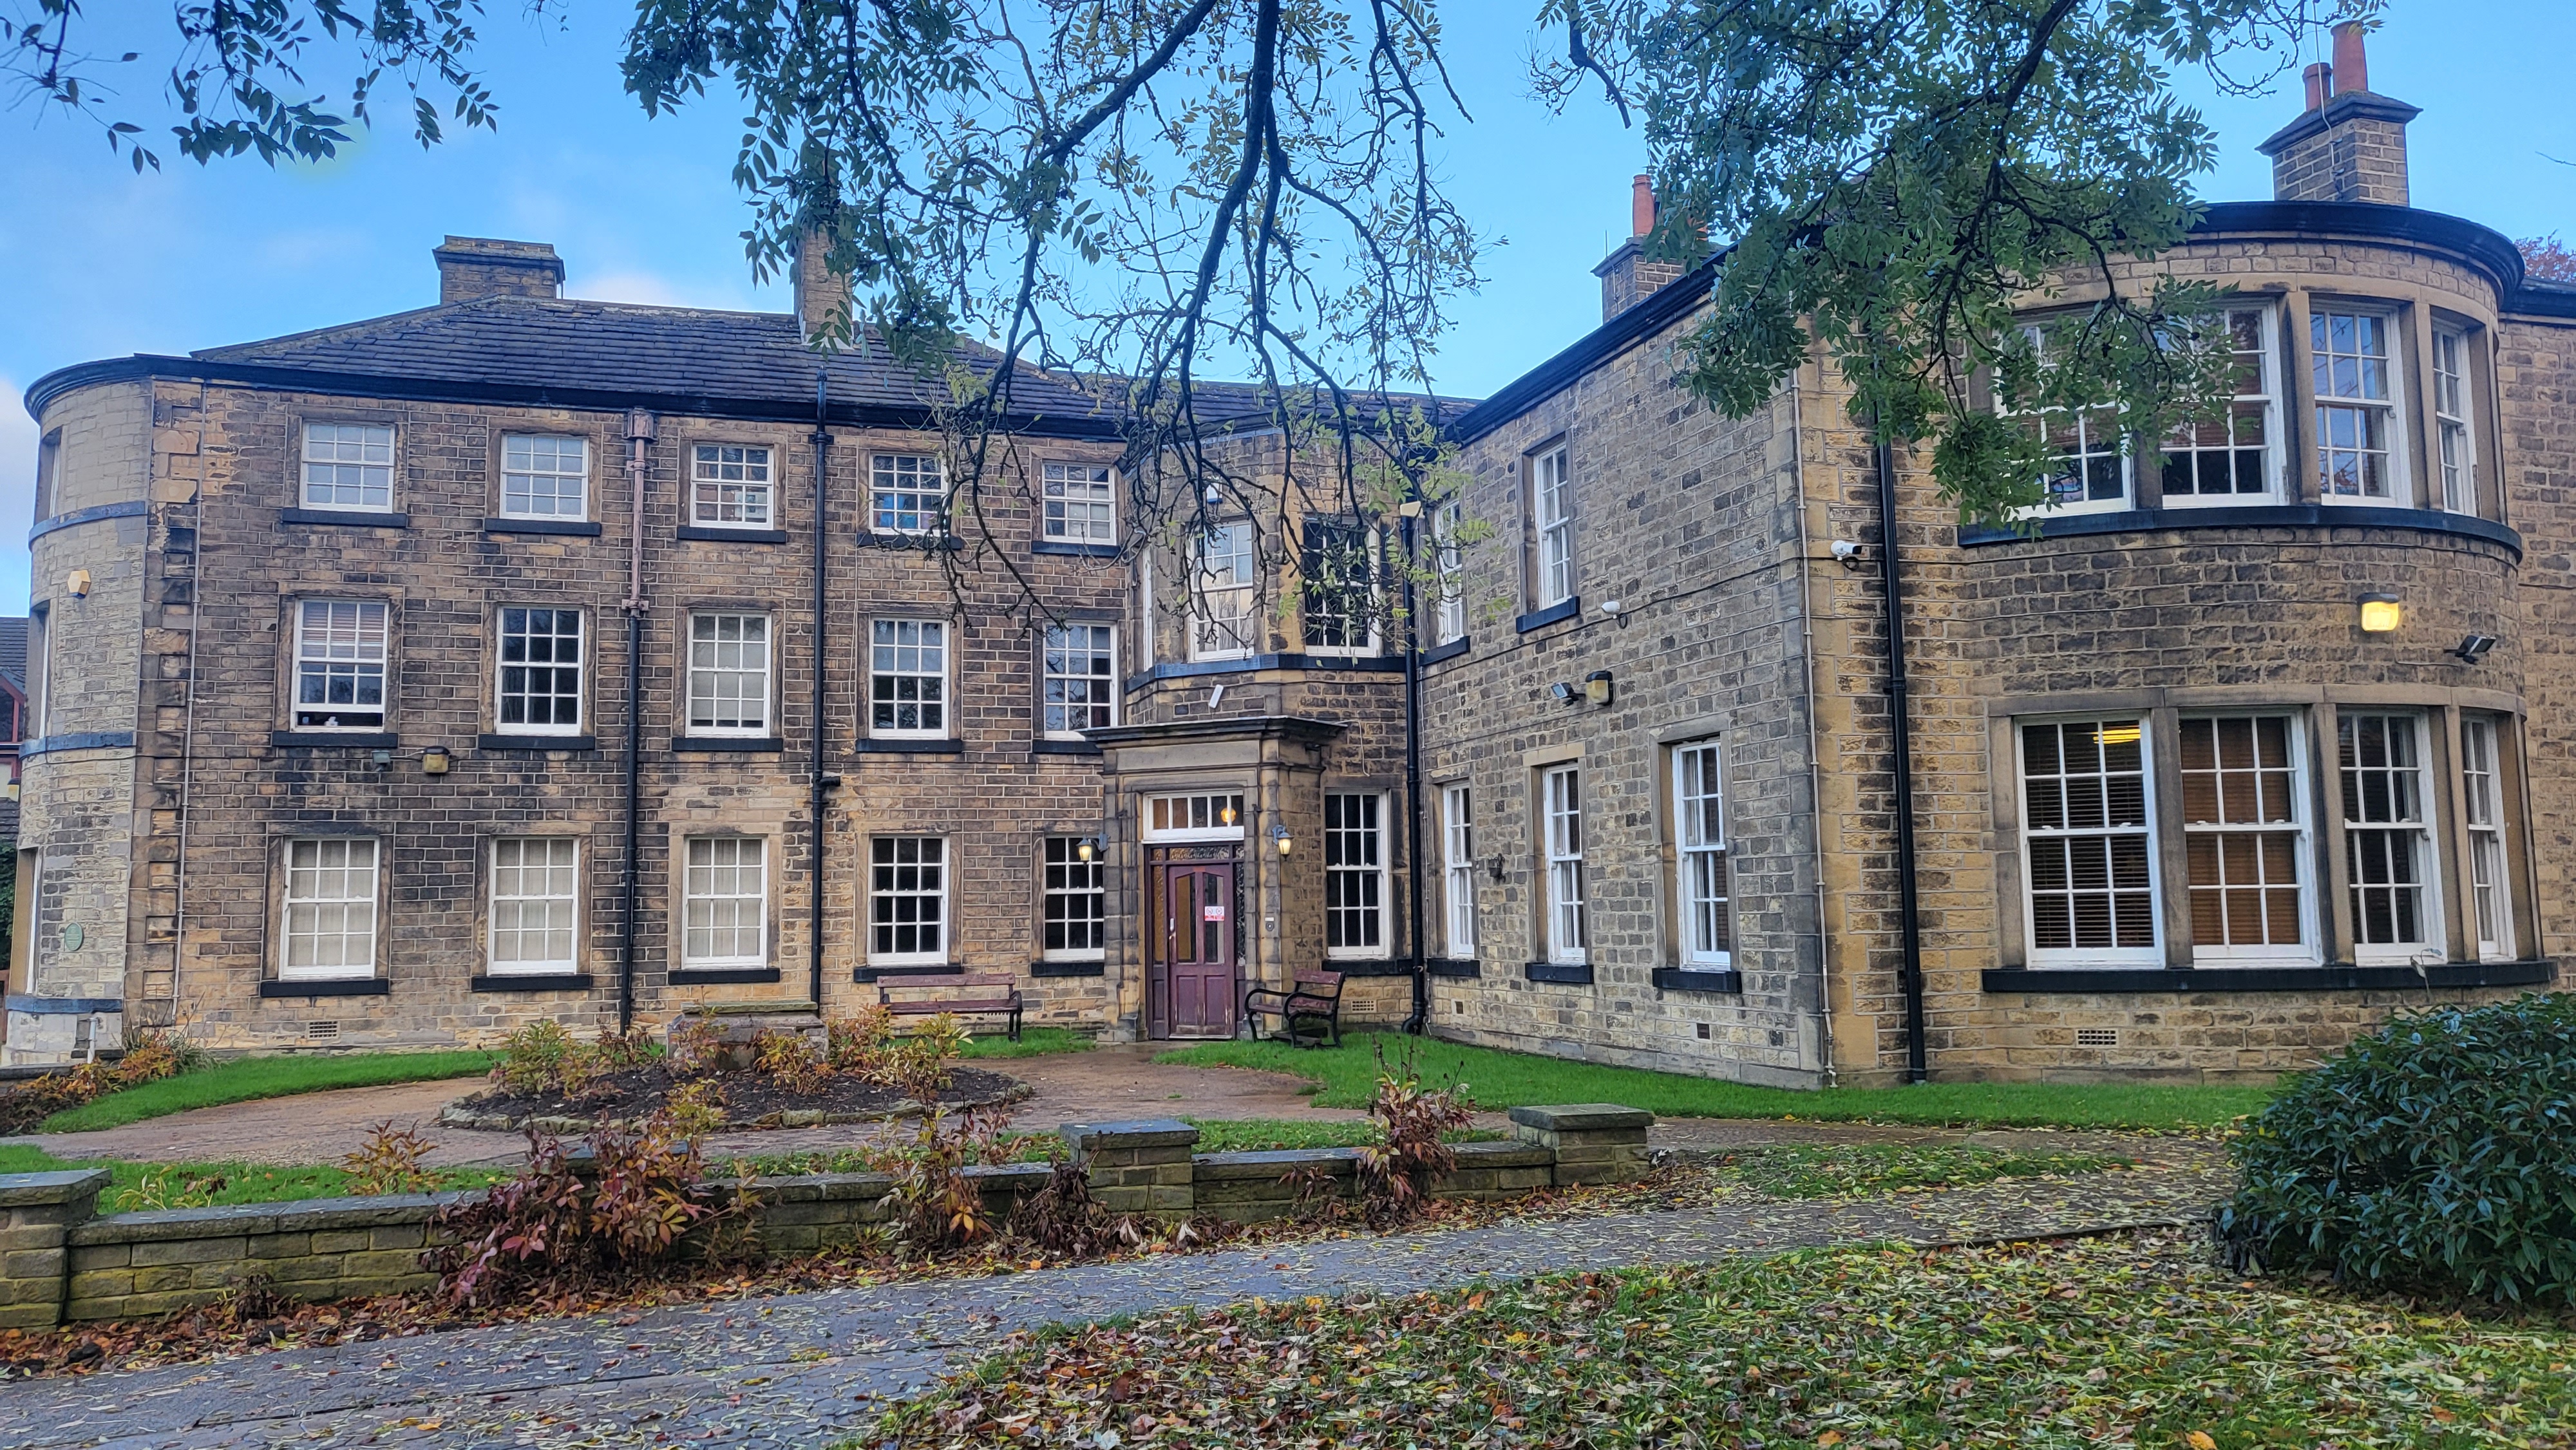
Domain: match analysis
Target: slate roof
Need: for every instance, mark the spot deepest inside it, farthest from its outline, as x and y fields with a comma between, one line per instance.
x=579, y=345
x=13, y=651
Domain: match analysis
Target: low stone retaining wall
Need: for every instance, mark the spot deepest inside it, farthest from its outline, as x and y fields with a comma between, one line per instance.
x=59, y=1261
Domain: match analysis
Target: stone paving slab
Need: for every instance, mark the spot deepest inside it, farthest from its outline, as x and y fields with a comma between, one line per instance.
x=799, y=1370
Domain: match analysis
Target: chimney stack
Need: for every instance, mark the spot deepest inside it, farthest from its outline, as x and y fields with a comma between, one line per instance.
x=472, y=267
x=1627, y=278
x=2350, y=143
x=819, y=293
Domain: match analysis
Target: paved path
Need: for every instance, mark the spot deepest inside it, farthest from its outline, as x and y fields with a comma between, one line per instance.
x=797, y=1370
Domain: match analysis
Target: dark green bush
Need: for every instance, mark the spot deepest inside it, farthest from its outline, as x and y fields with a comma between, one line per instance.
x=2437, y=1154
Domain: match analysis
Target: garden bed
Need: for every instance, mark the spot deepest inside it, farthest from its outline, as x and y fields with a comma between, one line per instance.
x=751, y=1100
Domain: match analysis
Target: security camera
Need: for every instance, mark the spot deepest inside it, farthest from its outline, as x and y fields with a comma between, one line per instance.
x=2473, y=649
x=1847, y=553
x=1610, y=606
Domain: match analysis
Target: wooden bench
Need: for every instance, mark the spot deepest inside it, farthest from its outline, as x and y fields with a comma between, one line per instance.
x=1316, y=996
x=962, y=995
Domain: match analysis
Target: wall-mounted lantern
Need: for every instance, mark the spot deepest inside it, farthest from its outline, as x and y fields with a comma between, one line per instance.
x=76, y=584
x=1279, y=836
x=1596, y=687
x=2381, y=613
x=436, y=761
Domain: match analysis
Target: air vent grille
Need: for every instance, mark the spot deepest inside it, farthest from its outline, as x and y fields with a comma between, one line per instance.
x=322, y=1031
x=2097, y=1037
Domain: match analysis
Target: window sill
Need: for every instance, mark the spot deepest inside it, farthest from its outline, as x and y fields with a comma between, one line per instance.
x=537, y=742
x=2252, y=516
x=1449, y=651
x=344, y=518
x=921, y=543
x=1565, y=974
x=722, y=976
x=1460, y=967
x=1063, y=747
x=584, y=528
x=1076, y=551
x=727, y=744
x=1368, y=966
x=1068, y=969
x=531, y=982
x=2338, y=977
x=1698, y=979
x=874, y=746
x=341, y=987
x=917, y=969
x=701, y=534
x=1252, y=664
x=334, y=739
x=1565, y=608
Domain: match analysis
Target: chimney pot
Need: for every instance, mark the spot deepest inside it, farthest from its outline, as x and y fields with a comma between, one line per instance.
x=472, y=267
x=2320, y=85
x=2351, y=66
x=1641, y=206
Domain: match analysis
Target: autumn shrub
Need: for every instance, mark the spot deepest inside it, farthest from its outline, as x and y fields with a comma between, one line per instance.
x=697, y=1046
x=788, y=1059
x=934, y=1202
x=542, y=1059
x=564, y=1222
x=1064, y=1217
x=696, y=1108
x=859, y=1045
x=1396, y=1175
x=922, y=1065
x=149, y=1056
x=389, y=1161
x=2437, y=1154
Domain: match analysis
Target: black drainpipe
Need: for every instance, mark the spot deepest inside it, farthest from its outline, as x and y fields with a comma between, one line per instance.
x=1910, y=973
x=639, y=435
x=1413, y=789
x=822, y=537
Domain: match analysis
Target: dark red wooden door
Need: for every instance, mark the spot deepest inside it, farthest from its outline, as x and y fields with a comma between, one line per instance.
x=1194, y=980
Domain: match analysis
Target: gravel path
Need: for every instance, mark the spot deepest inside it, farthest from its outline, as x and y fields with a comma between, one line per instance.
x=798, y=1370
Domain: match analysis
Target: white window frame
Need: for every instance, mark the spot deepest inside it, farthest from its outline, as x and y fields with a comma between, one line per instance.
x=907, y=494
x=749, y=494
x=2308, y=949
x=694, y=902
x=1458, y=869
x=1449, y=568
x=1078, y=504
x=315, y=911
x=1355, y=861
x=2091, y=427
x=1231, y=631
x=2489, y=867
x=1200, y=814
x=370, y=465
x=886, y=651
x=2455, y=447
x=324, y=649
x=2035, y=837
x=1707, y=925
x=1564, y=905
x=516, y=903
x=2266, y=399
x=1057, y=681
x=1064, y=877
x=706, y=668
x=2388, y=405
x=2429, y=943
x=886, y=886
x=1552, y=517
x=503, y=665
x=528, y=458
x=1310, y=564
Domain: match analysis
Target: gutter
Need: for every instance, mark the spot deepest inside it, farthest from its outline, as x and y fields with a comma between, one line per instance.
x=639, y=437
x=1901, y=727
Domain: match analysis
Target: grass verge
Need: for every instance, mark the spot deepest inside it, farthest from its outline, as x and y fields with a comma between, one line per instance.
x=1346, y=1077
x=2132, y=1341
x=247, y=1079
x=134, y=1186
x=1034, y=1042
x=1861, y=1170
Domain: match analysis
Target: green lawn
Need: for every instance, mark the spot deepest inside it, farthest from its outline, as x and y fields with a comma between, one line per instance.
x=214, y=1185
x=245, y=1079
x=1034, y=1042
x=2095, y=1342
x=1347, y=1076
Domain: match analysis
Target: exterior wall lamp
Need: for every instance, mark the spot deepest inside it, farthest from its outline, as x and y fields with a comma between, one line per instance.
x=436, y=761
x=2473, y=650
x=1596, y=687
x=2381, y=613
x=1279, y=835
x=76, y=584
x=1086, y=848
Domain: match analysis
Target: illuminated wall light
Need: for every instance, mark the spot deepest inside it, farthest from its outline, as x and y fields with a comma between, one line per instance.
x=2381, y=613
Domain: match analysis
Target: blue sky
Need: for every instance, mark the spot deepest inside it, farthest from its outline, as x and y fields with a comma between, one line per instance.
x=99, y=262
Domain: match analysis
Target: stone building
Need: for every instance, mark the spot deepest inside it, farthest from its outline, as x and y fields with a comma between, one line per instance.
x=2230, y=756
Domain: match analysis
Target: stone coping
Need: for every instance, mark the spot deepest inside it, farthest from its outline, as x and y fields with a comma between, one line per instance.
x=1276, y=1163
x=311, y=1215
x=1582, y=1118
x=26, y=1190
x=1504, y=1154
x=1136, y=1133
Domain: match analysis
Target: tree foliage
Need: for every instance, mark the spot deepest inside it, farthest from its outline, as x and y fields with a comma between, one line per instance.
x=1894, y=179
